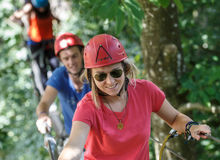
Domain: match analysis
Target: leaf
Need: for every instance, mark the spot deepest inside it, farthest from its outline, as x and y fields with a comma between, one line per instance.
x=135, y=22
x=155, y=2
x=136, y=10
x=164, y=3
x=179, y=5
x=120, y=21
x=108, y=9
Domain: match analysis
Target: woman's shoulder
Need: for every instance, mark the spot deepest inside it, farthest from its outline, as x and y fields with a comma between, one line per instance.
x=86, y=100
x=86, y=103
x=141, y=83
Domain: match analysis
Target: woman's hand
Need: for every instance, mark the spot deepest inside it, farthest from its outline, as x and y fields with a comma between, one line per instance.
x=200, y=131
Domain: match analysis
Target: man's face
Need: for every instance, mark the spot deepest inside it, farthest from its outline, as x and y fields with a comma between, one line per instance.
x=72, y=59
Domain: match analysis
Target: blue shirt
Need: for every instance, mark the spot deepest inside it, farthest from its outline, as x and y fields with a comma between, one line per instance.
x=67, y=94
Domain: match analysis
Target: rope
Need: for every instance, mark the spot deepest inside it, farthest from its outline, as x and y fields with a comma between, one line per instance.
x=169, y=149
x=172, y=134
x=163, y=146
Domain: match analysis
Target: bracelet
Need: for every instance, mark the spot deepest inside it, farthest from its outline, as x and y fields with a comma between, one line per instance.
x=187, y=129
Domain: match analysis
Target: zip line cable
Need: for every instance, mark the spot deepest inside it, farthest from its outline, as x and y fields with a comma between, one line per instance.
x=213, y=138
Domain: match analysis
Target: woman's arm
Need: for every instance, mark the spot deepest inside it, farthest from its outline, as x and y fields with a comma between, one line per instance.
x=178, y=121
x=74, y=147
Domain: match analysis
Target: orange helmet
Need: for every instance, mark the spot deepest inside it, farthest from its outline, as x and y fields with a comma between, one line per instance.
x=103, y=50
x=66, y=40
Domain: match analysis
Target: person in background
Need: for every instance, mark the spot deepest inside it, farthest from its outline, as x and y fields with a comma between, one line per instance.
x=113, y=121
x=40, y=38
x=64, y=82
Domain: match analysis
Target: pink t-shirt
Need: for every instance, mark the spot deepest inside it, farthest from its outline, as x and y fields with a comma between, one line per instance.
x=105, y=141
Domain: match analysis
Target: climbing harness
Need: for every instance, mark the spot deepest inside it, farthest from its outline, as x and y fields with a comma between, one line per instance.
x=42, y=64
x=35, y=70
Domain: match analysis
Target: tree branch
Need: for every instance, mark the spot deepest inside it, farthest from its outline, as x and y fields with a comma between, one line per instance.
x=197, y=106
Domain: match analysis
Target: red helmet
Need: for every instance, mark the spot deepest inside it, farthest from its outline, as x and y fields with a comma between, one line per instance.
x=66, y=40
x=103, y=50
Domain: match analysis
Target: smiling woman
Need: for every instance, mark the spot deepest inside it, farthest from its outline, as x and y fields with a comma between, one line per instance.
x=113, y=121
x=105, y=82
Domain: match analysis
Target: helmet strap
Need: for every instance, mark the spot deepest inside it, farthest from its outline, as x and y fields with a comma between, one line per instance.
x=125, y=85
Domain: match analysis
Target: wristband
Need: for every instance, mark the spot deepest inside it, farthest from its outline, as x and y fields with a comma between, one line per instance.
x=187, y=129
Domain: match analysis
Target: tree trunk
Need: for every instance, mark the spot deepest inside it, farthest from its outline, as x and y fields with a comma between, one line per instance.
x=161, y=48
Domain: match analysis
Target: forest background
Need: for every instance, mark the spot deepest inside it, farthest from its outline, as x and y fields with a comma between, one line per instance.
x=181, y=56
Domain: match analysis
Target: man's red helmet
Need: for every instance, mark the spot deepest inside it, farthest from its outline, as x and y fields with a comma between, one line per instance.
x=66, y=40
x=103, y=50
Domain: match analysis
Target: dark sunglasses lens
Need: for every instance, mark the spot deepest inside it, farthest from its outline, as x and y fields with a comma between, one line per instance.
x=116, y=73
x=101, y=76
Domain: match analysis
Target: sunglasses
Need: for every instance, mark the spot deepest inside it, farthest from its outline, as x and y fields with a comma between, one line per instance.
x=116, y=73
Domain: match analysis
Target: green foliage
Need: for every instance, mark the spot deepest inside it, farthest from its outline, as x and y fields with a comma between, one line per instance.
x=18, y=138
x=201, y=80
x=166, y=3
x=163, y=3
x=118, y=13
x=120, y=21
x=179, y=5
x=202, y=84
x=199, y=28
